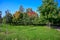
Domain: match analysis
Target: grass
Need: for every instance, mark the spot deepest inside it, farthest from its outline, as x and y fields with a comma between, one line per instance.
x=8, y=32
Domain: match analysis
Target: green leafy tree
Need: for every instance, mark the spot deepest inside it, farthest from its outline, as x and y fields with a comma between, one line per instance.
x=8, y=17
x=58, y=17
x=0, y=16
x=48, y=11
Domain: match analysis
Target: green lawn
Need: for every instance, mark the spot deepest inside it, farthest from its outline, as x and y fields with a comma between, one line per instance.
x=8, y=32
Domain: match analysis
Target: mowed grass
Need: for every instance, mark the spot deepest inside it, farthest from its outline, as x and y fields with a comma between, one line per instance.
x=8, y=32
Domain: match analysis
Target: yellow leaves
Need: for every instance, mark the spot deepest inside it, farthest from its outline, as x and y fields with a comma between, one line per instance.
x=16, y=15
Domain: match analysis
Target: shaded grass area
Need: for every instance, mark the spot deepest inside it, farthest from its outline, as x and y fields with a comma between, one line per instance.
x=8, y=32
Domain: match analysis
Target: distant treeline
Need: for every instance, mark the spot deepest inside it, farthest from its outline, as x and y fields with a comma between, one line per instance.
x=49, y=15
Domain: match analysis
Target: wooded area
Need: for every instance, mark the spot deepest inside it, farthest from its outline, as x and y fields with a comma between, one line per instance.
x=49, y=15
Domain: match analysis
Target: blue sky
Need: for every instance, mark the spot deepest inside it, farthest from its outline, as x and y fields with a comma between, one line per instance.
x=13, y=5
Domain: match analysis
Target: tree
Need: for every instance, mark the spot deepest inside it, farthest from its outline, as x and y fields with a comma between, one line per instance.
x=16, y=17
x=48, y=11
x=58, y=17
x=19, y=16
x=21, y=9
x=8, y=17
x=0, y=16
x=29, y=10
x=32, y=16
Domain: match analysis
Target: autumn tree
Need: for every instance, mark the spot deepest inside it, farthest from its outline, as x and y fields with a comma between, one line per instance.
x=28, y=10
x=16, y=17
x=32, y=16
